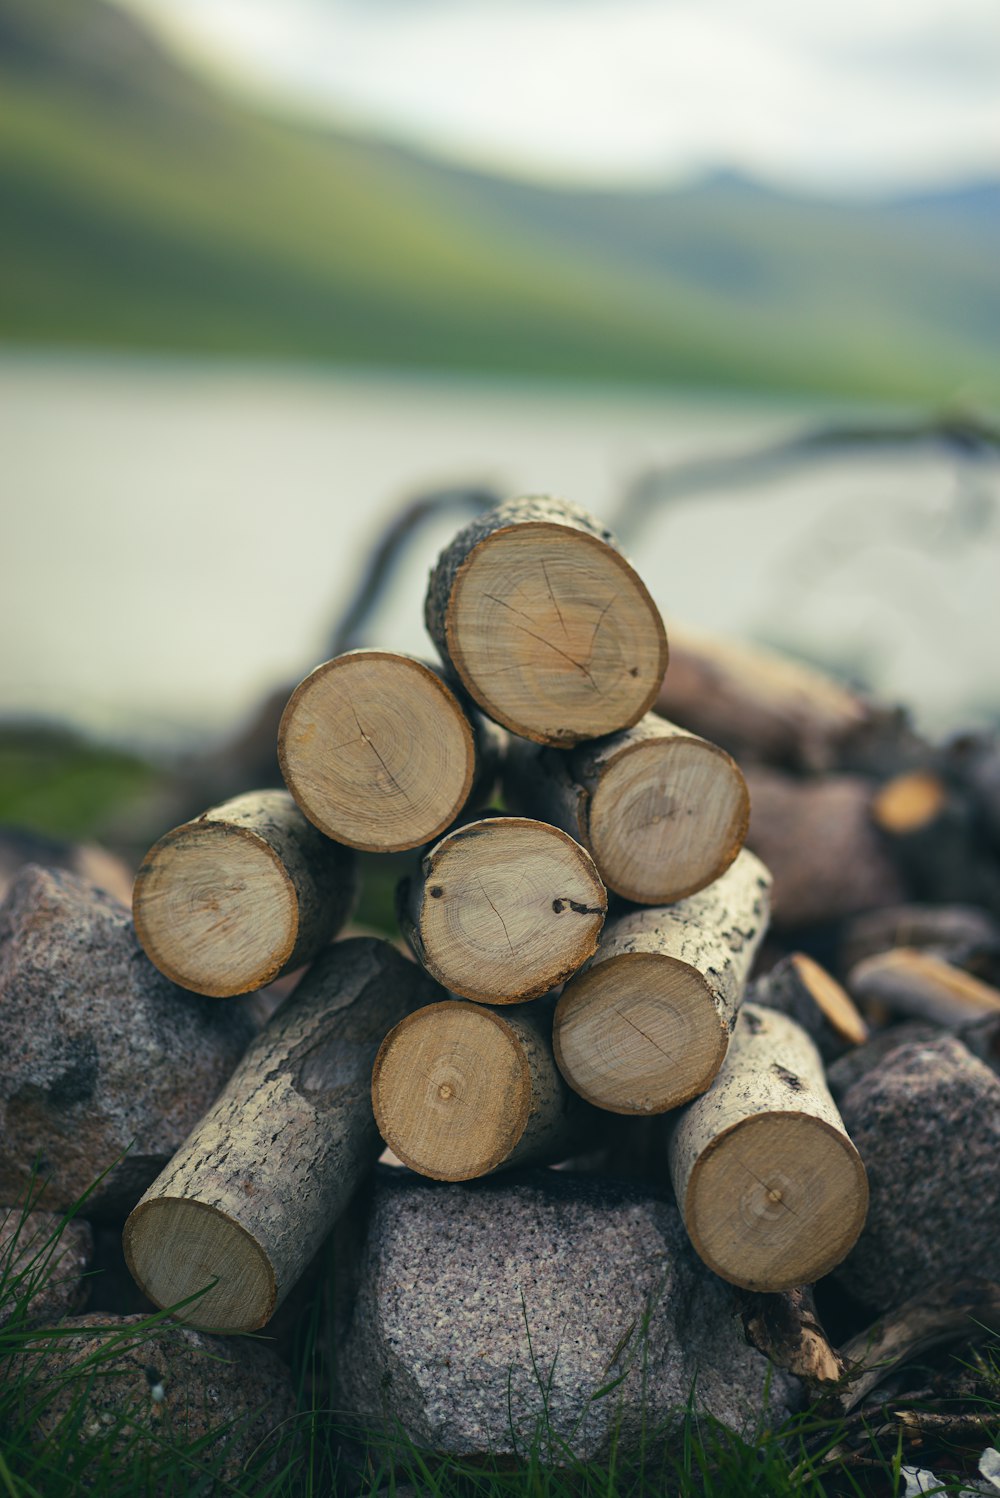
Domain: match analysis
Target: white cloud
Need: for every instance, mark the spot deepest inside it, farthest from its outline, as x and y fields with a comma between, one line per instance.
x=869, y=91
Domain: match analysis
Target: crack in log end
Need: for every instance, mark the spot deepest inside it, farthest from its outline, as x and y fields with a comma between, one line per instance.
x=789, y=1078
x=558, y=907
x=435, y=892
x=582, y=909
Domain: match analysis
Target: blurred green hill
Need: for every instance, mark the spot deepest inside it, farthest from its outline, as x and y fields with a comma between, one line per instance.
x=142, y=208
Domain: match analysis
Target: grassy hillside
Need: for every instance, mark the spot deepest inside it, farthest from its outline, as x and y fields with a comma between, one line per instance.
x=143, y=210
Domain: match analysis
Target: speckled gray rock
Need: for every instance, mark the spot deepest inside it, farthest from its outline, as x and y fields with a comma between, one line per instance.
x=927, y=1125
x=42, y=1268
x=102, y=1054
x=455, y=1278
x=169, y=1386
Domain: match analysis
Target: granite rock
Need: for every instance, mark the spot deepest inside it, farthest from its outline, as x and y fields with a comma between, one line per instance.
x=43, y=1268
x=926, y=1122
x=481, y=1306
x=103, y=1055
x=142, y=1388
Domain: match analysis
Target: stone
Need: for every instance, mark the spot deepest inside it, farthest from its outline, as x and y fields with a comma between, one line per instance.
x=143, y=1388
x=482, y=1306
x=105, y=1059
x=926, y=1122
x=42, y=1268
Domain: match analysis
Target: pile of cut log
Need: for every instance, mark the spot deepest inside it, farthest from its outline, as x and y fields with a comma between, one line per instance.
x=534, y=1011
x=591, y=987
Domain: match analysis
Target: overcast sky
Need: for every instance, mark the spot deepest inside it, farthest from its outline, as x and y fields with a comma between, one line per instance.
x=859, y=94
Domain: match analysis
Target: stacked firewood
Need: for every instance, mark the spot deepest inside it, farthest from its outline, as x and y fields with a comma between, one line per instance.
x=580, y=954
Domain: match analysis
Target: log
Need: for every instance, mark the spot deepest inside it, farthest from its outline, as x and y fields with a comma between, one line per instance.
x=772, y=1191
x=552, y=1303
x=817, y=838
x=645, y=1027
x=920, y=985
x=249, y=890
x=934, y=833
x=503, y=909
x=662, y=812
x=927, y=1124
x=460, y=1090
x=758, y=703
x=799, y=987
x=250, y=1195
x=380, y=753
x=964, y=1312
x=547, y=625
x=953, y=932
x=107, y=1065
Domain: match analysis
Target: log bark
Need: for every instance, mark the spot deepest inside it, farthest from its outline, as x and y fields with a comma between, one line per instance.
x=460, y=1090
x=246, y=892
x=953, y=932
x=645, y=1027
x=503, y=909
x=382, y=753
x=772, y=1191
x=920, y=985
x=546, y=624
x=757, y=703
x=246, y=1201
x=799, y=987
x=662, y=812
x=818, y=840
x=107, y=1065
x=927, y=1124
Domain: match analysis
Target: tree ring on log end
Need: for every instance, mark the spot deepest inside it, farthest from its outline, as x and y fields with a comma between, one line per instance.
x=212, y=899
x=377, y=751
x=638, y=1033
x=176, y=1247
x=451, y=1090
x=776, y=1201
x=554, y=634
x=518, y=908
x=666, y=818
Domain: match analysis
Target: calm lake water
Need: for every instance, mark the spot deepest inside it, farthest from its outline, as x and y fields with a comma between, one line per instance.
x=180, y=537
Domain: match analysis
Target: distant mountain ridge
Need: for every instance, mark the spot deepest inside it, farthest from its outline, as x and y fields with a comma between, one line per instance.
x=144, y=209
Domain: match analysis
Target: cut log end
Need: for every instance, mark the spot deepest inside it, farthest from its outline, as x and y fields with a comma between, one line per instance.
x=639, y=1033
x=554, y=634
x=177, y=1248
x=908, y=803
x=215, y=909
x=667, y=818
x=509, y=908
x=377, y=751
x=833, y=1001
x=451, y=1090
x=778, y=1201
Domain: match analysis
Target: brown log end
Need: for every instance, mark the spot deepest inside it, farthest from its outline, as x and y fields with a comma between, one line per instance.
x=451, y=1090
x=377, y=751
x=178, y=1249
x=667, y=817
x=554, y=634
x=639, y=1033
x=508, y=909
x=778, y=1200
